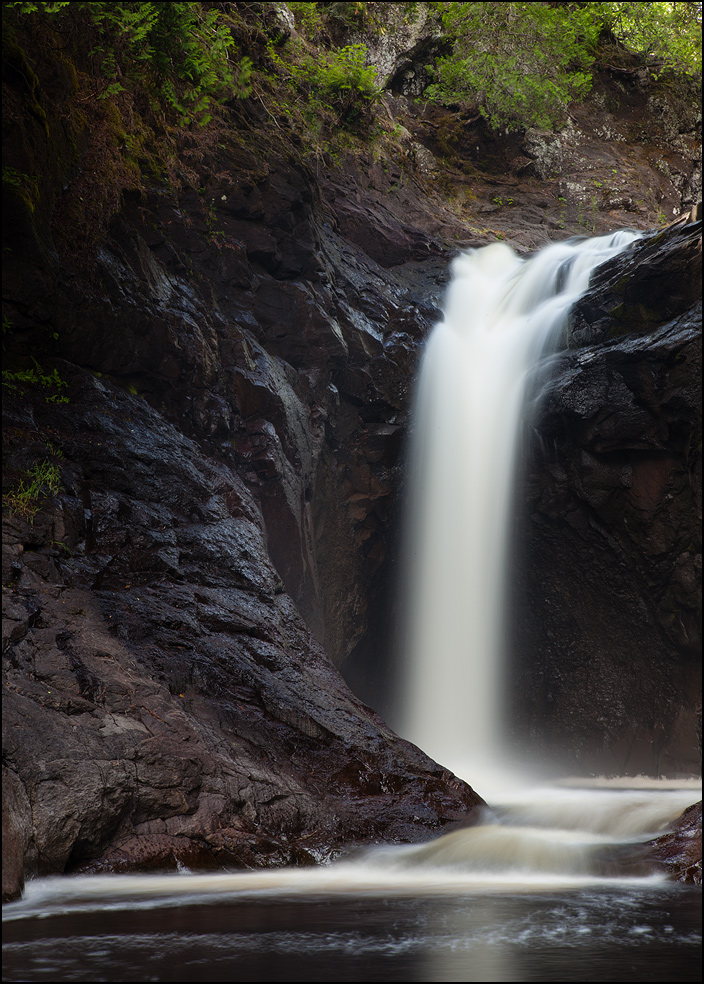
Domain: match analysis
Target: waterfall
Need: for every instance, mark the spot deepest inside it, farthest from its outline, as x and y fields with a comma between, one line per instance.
x=502, y=314
x=551, y=883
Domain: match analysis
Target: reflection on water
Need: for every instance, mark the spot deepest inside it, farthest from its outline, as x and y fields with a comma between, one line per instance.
x=580, y=935
x=482, y=904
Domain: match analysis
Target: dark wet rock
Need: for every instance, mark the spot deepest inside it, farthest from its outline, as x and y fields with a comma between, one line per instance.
x=164, y=701
x=655, y=281
x=613, y=486
x=679, y=849
x=229, y=457
x=676, y=852
x=16, y=834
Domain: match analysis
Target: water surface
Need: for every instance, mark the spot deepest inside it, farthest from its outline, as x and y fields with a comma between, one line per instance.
x=529, y=895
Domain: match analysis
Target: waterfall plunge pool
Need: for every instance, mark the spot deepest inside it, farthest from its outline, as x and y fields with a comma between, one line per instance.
x=530, y=895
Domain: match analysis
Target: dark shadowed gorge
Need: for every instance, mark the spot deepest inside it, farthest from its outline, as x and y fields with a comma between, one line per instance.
x=210, y=335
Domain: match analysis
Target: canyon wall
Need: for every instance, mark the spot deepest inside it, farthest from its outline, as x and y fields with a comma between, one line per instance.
x=237, y=349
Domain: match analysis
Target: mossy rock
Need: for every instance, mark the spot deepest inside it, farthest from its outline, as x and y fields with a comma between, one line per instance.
x=633, y=319
x=17, y=67
x=19, y=214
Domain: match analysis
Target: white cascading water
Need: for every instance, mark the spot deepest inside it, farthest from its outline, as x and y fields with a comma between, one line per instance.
x=501, y=314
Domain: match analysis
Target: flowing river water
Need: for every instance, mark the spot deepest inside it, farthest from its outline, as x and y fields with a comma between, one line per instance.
x=551, y=885
x=535, y=893
x=503, y=315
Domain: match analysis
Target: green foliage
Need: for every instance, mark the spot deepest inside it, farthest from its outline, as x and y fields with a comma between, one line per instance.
x=23, y=186
x=339, y=80
x=48, y=8
x=41, y=481
x=314, y=20
x=11, y=176
x=336, y=85
x=342, y=77
x=350, y=14
x=670, y=33
x=14, y=381
x=521, y=62
x=179, y=52
x=309, y=18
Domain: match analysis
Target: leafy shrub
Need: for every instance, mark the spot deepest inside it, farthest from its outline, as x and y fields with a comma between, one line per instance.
x=668, y=33
x=180, y=52
x=309, y=18
x=340, y=79
x=13, y=381
x=522, y=63
x=42, y=481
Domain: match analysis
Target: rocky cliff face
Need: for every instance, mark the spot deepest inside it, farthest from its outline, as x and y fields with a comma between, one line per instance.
x=238, y=350
x=226, y=446
x=237, y=372
x=613, y=500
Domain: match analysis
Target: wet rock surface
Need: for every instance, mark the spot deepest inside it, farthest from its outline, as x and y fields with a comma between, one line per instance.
x=238, y=376
x=612, y=524
x=164, y=700
x=679, y=849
